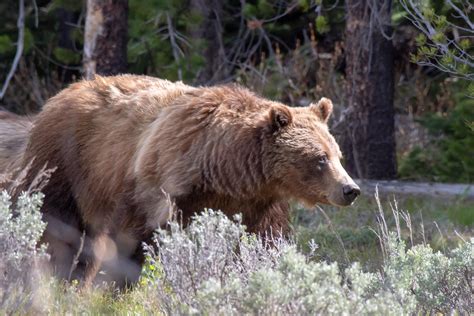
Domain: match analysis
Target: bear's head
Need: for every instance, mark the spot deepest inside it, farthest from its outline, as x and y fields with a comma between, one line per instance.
x=304, y=157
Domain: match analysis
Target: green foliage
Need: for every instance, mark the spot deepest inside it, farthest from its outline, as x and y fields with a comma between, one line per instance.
x=322, y=25
x=5, y=44
x=450, y=157
x=304, y=4
x=261, y=9
x=71, y=5
x=417, y=165
x=43, y=42
x=445, y=41
x=249, y=10
x=462, y=214
x=265, y=8
x=66, y=56
x=420, y=39
x=150, y=49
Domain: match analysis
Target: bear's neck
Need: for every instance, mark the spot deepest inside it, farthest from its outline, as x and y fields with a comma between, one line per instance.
x=233, y=166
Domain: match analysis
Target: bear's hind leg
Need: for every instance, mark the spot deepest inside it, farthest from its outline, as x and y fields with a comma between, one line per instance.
x=98, y=246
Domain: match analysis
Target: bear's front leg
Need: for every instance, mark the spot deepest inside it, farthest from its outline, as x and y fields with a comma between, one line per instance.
x=270, y=221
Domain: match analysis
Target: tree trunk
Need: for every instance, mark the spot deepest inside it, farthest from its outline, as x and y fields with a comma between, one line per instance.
x=210, y=31
x=368, y=136
x=105, y=38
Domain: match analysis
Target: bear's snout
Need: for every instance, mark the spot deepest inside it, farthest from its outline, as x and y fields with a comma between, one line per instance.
x=350, y=192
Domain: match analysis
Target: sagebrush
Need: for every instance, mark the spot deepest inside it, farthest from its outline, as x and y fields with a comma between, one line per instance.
x=21, y=228
x=214, y=266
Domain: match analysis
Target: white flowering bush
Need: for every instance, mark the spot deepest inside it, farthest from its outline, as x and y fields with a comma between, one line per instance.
x=21, y=228
x=215, y=267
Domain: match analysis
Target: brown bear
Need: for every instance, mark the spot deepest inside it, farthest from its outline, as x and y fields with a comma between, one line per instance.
x=124, y=146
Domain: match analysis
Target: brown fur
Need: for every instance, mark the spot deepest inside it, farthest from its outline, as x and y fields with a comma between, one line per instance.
x=14, y=130
x=122, y=145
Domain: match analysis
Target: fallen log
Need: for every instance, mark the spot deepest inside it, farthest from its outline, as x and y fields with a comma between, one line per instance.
x=404, y=188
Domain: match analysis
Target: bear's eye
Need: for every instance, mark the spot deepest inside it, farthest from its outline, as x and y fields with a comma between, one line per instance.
x=323, y=160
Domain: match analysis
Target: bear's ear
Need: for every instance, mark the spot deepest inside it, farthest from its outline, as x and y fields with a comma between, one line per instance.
x=280, y=117
x=323, y=109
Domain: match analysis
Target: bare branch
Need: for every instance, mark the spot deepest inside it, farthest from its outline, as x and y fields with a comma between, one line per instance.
x=75, y=261
x=19, y=47
x=35, y=7
x=288, y=10
x=174, y=46
x=461, y=14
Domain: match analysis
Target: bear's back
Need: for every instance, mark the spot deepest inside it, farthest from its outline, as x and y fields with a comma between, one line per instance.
x=90, y=132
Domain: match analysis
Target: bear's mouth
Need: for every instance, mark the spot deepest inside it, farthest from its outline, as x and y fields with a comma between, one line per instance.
x=313, y=201
x=341, y=202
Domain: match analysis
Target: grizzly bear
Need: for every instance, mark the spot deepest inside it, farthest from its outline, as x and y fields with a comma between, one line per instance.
x=124, y=146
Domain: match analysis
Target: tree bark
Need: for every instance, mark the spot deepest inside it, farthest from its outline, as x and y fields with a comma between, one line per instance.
x=210, y=31
x=105, y=38
x=368, y=136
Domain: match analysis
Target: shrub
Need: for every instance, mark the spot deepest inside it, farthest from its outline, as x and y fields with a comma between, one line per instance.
x=435, y=282
x=215, y=267
x=21, y=228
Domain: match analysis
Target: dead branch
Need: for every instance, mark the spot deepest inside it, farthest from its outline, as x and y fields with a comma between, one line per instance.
x=19, y=47
x=174, y=45
x=461, y=14
x=75, y=260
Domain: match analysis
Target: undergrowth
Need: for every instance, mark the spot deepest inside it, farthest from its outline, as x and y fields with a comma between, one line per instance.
x=449, y=156
x=20, y=258
x=214, y=267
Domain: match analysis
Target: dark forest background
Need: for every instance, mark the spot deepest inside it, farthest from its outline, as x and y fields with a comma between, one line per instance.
x=400, y=73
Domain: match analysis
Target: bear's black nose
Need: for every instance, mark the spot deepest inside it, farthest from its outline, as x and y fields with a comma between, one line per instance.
x=351, y=191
